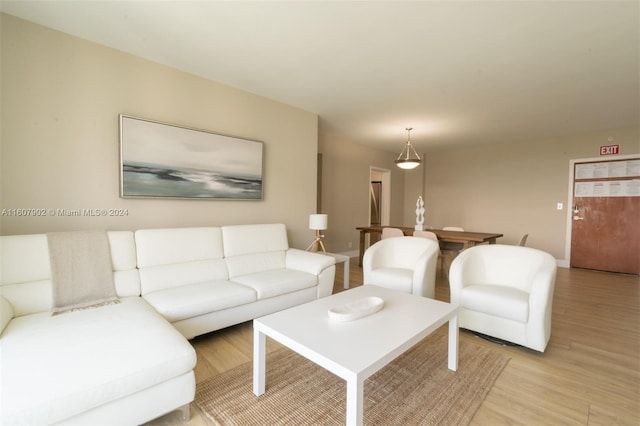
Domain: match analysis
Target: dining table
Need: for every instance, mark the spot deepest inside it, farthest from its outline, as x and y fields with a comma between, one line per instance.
x=465, y=238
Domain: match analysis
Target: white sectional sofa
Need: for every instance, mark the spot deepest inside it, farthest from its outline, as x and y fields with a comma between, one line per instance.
x=204, y=279
x=130, y=362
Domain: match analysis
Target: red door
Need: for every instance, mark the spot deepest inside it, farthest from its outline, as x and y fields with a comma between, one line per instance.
x=606, y=216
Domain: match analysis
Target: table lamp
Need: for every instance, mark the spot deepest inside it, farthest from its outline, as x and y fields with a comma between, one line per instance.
x=317, y=222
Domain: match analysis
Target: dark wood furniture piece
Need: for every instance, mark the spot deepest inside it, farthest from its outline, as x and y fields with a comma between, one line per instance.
x=468, y=239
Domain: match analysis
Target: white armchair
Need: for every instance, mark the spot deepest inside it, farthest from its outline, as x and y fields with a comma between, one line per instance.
x=407, y=264
x=505, y=292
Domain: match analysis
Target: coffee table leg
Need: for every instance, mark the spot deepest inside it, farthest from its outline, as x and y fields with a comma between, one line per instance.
x=453, y=343
x=259, y=361
x=355, y=391
x=346, y=274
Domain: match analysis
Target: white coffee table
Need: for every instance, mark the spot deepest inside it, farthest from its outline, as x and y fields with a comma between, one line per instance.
x=356, y=349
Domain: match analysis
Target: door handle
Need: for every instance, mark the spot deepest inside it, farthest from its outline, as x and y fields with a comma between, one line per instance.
x=576, y=217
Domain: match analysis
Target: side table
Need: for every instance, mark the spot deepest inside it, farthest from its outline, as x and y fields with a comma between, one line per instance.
x=341, y=258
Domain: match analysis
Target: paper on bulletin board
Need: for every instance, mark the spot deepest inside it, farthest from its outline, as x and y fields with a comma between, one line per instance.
x=608, y=169
x=611, y=188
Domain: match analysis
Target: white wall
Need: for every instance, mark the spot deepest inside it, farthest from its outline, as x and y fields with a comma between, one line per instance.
x=61, y=97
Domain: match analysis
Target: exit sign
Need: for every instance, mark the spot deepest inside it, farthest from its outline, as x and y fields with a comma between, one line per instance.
x=609, y=149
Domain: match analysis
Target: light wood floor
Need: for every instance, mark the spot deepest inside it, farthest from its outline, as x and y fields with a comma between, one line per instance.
x=589, y=374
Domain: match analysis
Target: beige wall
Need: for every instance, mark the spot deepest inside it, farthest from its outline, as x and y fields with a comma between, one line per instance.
x=61, y=97
x=345, y=189
x=511, y=189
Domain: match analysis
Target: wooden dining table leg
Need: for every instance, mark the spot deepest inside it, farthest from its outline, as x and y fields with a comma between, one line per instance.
x=362, y=235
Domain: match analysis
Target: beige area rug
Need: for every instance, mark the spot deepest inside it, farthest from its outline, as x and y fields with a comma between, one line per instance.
x=417, y=388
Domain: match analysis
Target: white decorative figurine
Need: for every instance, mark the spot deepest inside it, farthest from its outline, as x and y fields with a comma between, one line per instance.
x=419, y=214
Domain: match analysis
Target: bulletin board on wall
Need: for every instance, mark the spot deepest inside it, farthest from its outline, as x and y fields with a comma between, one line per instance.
x=614, y=178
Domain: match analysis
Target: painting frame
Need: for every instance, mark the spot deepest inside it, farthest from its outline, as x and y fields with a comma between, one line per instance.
x=168, y=161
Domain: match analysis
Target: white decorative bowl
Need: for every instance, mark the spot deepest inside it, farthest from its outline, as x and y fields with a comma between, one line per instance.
x=356, y=309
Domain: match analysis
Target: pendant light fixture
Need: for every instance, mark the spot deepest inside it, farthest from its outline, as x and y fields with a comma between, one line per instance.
x=405, y=160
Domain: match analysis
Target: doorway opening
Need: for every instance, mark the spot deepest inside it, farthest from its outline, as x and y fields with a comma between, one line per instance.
x=379, y=198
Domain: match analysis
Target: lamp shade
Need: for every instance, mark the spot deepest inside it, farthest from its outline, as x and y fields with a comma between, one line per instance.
x=407, y=164
x=318, y=221
x=405, y=159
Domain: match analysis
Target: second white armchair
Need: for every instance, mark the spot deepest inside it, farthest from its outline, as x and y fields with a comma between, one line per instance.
x=407, y=264
x=505, y=292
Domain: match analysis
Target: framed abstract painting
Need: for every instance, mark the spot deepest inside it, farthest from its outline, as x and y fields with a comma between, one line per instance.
x=159, y=160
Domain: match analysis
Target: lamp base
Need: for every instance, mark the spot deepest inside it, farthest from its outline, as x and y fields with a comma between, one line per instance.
x=317, y=244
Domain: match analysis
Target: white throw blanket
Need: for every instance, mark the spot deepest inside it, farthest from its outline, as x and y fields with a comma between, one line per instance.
x=81, y=270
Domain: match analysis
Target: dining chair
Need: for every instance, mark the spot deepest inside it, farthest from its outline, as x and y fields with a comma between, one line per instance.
x=392, y=232
x=425, y=234
x=523, y=240
x=449, y=250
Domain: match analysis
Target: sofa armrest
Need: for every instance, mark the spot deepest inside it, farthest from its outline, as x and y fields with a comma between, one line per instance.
x=306, y=261
x=6, y=313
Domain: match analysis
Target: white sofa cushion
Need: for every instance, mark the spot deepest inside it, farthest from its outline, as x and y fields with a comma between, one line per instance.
x=249, y=239
x=93, y=357
x=192, y=300
x=24, y=258
x=123, y=250
x=174, y=257
x=161, y=277
x=313, y=263
x=177, y=245
x=25, y=270
x=497, y=300
x=28, y=298
x=123, y=260
x=274, y=283
x=6, y=313
x=255, y=263
x=25, y=273
x=250, y=249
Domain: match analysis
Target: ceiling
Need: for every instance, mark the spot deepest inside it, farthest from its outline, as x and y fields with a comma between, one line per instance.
x=458, y=72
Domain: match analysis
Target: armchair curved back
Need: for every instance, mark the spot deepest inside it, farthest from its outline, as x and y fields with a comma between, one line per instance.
x=407, y=264
x=502, y=265
x=505, y=291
